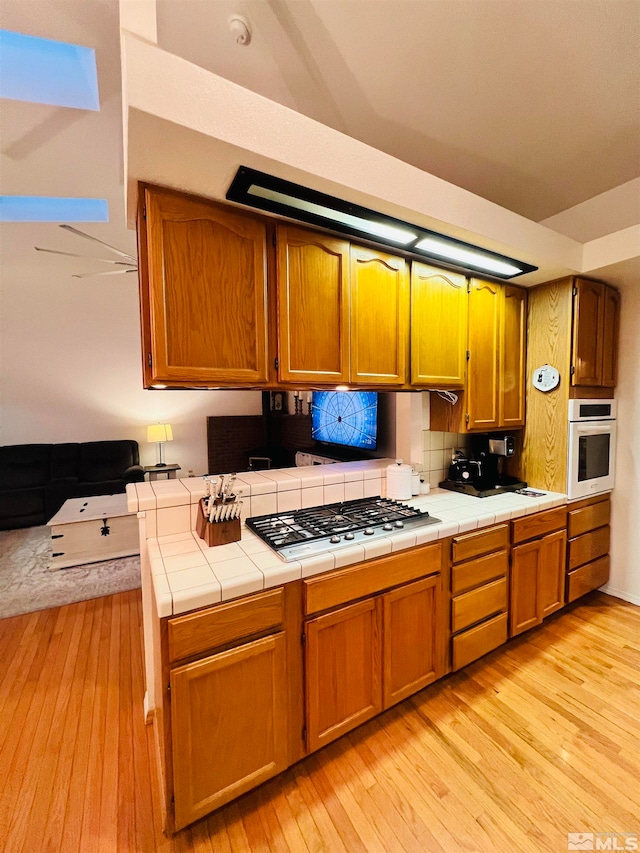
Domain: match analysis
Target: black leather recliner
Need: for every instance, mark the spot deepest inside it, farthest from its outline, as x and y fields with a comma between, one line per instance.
x=36, y=479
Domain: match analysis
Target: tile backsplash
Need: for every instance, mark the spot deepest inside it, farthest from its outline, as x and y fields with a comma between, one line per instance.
x=437, y=449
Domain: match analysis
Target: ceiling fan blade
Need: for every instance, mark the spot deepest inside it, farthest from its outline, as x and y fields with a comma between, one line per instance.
x=102, y=243
x=109, y=272
x=85, y=257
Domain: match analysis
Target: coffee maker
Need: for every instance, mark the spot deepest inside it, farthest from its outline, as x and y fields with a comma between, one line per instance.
x=482, y=473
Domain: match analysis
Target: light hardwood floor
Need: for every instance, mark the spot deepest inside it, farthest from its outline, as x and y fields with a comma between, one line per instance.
x=536, y=740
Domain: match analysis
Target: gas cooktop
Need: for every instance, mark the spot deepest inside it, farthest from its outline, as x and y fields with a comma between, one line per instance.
x=307, y=532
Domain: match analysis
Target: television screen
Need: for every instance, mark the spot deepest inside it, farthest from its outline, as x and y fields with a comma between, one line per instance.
x=345, y=417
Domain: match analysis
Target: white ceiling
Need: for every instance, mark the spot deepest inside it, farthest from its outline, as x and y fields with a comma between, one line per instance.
x=533, y=104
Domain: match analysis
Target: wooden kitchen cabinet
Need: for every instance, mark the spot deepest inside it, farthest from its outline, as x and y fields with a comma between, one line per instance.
x=572, y=325
x=368, y=655
x=538, y=560
x=494, y=390
x=411, y=639
x=483, y=380
x=588, y=547
x=228, y=725
x=203, y=292
x=596, y=312
x=379, y=313
x=438, y=327
x=343, y=671
x=513, y=356
x=479, y=599
x=313, y=307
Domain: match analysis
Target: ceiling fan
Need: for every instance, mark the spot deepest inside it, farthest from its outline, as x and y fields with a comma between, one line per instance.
x=129, y=264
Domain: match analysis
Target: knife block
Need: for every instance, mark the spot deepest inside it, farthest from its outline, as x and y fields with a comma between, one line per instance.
x=216, y=532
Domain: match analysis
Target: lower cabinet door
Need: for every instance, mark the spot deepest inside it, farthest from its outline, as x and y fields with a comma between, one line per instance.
x=524, y=609
x=552, y=572
x=228, y=724
x=343, y=671
x=411, y=643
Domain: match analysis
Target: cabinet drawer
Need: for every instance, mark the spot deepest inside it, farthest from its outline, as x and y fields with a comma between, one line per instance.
x=472, y=644
x=474, y=544
x=476, y=605
x=216, y=626
x=589, y=517
x=476, y=572
x=583, y=549
x=365, y=579
x=586, y=578
x=539, y=524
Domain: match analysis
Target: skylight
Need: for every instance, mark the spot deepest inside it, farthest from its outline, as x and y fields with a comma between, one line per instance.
x=33, y=208
x=47, y=72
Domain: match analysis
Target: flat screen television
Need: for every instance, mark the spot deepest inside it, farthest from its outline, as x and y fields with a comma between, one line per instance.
x=349, y=418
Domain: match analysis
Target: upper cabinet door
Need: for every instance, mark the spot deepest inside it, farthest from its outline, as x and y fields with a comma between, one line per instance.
x=438, y=327
x=588, y=318
x=513, y=356
x=379, y=317
x=313, y=307
x=203, y=292
x=485, y=308
x=610, y=337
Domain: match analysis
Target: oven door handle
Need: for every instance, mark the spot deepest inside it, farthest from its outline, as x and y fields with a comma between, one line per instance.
x=595, y=429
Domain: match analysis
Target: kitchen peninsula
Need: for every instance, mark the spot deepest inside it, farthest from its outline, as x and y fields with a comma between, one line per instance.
x=255, y=662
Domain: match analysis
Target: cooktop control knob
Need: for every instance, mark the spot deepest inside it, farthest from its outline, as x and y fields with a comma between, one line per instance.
x=387, y=527
x=399, y=523
x=349, y=536
x=334, y=540
x=368, y=531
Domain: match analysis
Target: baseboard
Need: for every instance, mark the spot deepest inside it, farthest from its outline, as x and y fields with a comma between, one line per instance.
x=620, y=593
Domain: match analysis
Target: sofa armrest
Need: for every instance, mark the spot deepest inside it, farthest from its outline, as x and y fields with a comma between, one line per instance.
x=133, y=474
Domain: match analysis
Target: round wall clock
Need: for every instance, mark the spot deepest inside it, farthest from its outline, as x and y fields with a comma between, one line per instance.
x=545, y=378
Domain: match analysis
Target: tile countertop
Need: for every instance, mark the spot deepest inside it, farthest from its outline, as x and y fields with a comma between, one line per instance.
x=187, y=574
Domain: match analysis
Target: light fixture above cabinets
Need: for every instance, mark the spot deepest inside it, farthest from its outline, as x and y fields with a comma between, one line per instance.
x=275, y=195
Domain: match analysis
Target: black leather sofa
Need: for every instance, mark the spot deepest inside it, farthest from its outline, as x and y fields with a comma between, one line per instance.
x=36, y=479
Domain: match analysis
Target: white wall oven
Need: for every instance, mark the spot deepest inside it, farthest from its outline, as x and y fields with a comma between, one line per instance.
x=592, y=447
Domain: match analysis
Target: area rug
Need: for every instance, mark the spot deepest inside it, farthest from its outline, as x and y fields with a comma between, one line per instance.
x=27, y=582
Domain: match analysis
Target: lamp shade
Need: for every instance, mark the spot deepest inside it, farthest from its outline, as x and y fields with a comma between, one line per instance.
x=159, y=432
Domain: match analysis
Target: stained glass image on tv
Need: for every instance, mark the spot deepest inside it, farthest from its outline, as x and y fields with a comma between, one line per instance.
x=345, y=417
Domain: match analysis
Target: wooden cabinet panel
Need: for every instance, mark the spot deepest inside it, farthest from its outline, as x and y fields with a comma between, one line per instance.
x=610, y=325
x=588, y=577
x=438, y=327
x=585, y=518
x=524, y=610
x=588, y=318
x=379, y=317
x=469, y=545
x=471, y=607
x=313, y=306
x=513, y=357
x=214, y=712
x=343, y=671
x=537, y=581
x=203, y=292
x=552, y=573
x=472, y=644
x=202, y=630
x=359, y=581
x=410, y=639
x=587, y=547
x=538, y=524
x=484, y=355
x=476, y=572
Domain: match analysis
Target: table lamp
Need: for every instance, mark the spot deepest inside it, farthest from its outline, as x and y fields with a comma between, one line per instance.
x=159, y=433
